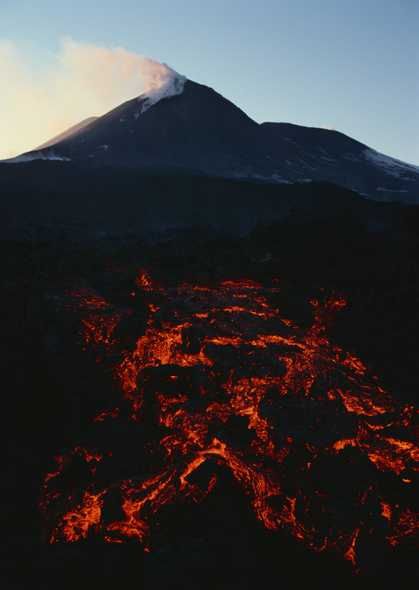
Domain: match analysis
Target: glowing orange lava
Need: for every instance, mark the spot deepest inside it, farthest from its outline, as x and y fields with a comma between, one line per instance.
x=212, y=355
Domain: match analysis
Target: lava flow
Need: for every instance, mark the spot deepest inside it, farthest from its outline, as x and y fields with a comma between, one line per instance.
x=219, y=380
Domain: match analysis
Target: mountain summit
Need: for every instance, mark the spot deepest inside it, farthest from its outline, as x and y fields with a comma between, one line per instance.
x=190, y=127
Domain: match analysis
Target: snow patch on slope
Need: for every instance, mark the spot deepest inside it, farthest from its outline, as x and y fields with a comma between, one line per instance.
x=383, y=189
x=391, y=166
x=36, y=156
x=275, y=178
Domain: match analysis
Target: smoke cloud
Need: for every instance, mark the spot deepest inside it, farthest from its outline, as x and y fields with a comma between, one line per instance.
x=80, y=81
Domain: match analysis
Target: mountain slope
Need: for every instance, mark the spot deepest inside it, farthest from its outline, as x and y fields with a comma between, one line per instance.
x=70, y=132
x=198, y=130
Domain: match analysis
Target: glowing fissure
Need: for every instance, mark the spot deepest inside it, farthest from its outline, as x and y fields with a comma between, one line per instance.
x=215, y=361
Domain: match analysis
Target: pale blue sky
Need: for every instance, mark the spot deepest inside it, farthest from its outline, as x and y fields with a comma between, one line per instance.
x=352, y=65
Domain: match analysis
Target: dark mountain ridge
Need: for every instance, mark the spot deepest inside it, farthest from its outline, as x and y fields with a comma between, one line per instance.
x=200, y=131
x=49, y=199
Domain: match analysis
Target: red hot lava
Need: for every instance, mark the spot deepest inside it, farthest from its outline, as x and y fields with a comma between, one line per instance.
x=212, y=355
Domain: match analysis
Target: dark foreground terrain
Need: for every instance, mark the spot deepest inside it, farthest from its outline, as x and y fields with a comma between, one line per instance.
x=206, y=411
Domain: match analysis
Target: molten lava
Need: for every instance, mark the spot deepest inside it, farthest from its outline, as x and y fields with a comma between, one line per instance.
x=209, y=360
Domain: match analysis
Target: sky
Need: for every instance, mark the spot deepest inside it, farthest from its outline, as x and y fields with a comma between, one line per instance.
x=350, y=65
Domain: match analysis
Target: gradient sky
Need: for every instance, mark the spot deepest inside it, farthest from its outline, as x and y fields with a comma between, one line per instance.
x=352, y=65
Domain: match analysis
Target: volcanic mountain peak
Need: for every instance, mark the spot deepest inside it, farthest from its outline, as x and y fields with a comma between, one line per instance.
x=178, y=124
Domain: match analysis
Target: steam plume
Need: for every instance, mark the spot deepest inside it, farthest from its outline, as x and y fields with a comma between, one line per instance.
x=82, y=80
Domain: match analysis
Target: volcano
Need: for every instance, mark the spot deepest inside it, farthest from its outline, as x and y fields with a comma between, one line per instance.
x=210, y=374
x=192, y=128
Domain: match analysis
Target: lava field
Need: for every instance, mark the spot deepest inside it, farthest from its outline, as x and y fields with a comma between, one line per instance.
x=219, y=385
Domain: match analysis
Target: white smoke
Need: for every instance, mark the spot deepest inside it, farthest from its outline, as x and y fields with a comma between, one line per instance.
x=81, y=80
